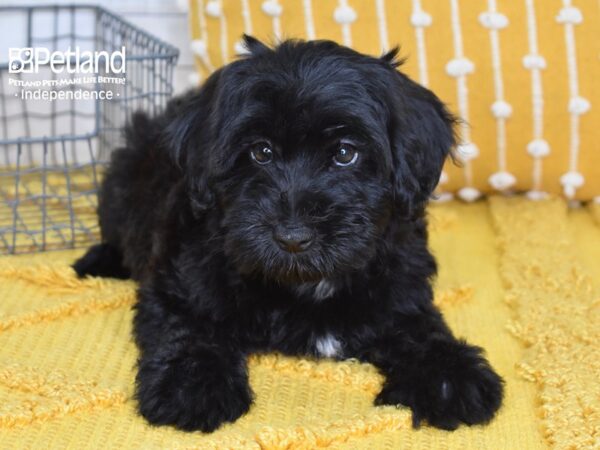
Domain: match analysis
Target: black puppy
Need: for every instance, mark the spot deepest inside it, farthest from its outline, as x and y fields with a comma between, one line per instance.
x=281, y=208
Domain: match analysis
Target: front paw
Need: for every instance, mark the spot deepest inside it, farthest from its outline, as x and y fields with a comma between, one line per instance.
x=453, y=383
x=197, y=391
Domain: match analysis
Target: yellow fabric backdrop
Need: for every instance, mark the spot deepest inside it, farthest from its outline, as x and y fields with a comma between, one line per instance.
x=563, y=36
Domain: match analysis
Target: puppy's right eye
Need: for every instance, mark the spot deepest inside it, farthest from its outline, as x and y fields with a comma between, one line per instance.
x=261, y=153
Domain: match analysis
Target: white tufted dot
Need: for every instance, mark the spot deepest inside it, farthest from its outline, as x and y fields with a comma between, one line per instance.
x=198, y=46
x=569, y=14
x=469, y=194
x=579, y=105
x=534, y=62
x=537, y=195
x=570, y=182
x=502, y=180
x=538, y=148
x=442, y=197
x=194, y=79
x=467, y=151
x=501, y=109
x=597, y=200
x=443, y=178
x=493, y=20
x=240, y=48
x=344, y=14
x=572, y=179
x=213, y=8
x=459, y=66
x=420, y=19
x=272, y=8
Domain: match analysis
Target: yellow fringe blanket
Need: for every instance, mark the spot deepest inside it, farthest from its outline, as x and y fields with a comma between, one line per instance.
x=520, y=278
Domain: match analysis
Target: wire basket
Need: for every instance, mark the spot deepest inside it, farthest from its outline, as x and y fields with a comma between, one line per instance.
x=53, y=151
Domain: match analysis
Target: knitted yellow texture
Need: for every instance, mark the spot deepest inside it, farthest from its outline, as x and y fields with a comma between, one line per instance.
x=557, y=316
x=67, y=360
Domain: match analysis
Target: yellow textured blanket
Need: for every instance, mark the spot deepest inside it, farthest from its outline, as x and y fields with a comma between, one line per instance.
x=520, y=278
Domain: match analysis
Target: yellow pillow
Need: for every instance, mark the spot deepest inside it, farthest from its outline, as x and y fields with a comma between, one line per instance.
x=523, y=73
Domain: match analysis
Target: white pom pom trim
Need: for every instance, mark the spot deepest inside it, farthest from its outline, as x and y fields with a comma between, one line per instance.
x=493, y=20
x=534, y=62
x=538, y=148
x=467, y=152
x=579, y=105
x=597, y=200
x=344, y=15
x=570, y=182
x=240, y=48
x=572, y=178
x=459, y=66
x=537, y=195
x=198, y=47
x=501, y=109
x=502, y=180
x=569, y=191
x=213, y=8
x=469, y=194
x=569, y=14
x=272, y=8
x=420, y=19
x=443, y=178
x=442, y=197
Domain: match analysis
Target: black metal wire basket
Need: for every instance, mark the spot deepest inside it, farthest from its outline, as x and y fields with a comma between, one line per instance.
x=53, y=151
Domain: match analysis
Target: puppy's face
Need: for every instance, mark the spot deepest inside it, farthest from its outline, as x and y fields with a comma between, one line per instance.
x=308, y=154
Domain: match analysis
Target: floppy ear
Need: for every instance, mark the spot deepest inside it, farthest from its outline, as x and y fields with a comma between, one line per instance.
x=188, y=118
x=191, y=113
x=188, y=135
x=421, y=136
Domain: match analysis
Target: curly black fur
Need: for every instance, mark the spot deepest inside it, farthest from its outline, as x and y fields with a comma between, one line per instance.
x=186, y=211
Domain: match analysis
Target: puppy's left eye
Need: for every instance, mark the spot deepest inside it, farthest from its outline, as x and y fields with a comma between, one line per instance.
x=345, y=155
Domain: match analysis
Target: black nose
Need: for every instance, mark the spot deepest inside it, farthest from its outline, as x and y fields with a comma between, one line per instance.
x=293, y=239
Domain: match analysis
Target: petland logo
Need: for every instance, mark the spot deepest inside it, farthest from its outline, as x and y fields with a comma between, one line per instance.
x=30, y=59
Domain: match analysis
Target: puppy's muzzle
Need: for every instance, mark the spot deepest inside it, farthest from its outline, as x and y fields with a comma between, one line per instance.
x=293, y=238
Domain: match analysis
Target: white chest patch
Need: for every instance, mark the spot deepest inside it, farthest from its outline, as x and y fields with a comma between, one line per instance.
x=329, y=346
x=324, y=289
